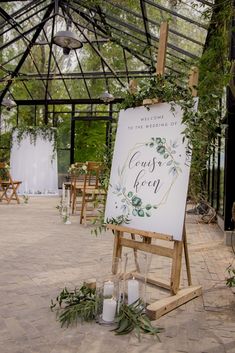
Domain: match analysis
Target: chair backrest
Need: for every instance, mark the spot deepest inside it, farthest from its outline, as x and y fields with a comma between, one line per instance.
x=4, y=172
x=93, y=174
x=76, y=173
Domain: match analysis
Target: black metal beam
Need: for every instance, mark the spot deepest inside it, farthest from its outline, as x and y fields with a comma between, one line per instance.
x=92, y=118
x=174, y=13
x=155, y=23
x=139, y=31
x=22, y=11
x=146, y=27
x=229, y=140
x=98, y=52
x=64, y=101
x=27, y=51
x=84, y=75
x=72, y=136
x=40, y=25
x=104, y=32
x=58, y=67
x=139, y=55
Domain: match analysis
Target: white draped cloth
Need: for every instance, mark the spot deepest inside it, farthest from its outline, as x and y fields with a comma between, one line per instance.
x=35, y=165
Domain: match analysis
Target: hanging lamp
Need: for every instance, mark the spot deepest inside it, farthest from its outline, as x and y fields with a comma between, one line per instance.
x=67, y=40
x=107, y=97
x=8, y=102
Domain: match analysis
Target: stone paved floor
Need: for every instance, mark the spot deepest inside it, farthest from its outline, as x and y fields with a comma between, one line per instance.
x=39, y=256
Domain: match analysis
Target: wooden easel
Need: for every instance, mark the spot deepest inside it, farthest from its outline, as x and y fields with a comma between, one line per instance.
x=126, y=237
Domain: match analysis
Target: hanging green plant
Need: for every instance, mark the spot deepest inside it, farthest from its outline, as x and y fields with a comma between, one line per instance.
x=45, y=132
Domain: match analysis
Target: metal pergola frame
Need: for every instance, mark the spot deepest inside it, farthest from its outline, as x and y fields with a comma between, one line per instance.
x=97, y=25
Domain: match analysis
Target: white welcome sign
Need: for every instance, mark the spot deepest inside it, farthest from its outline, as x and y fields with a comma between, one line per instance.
x=150, y=170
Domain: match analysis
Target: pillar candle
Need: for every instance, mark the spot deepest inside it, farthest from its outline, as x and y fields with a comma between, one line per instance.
x=109, y=309
x=133, y=290
x=108, y=288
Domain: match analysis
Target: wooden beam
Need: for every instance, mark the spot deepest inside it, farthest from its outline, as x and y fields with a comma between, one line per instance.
x=143, y=233
x=165, y=305
x=176, y=266
x=193, y=80
x=162, y=47
x=150, y=248
x=152, y=279
x=117, y=250
x=132, y=87
x=186, y=255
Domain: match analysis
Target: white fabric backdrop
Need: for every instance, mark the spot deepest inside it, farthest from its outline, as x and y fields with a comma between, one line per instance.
x=35, y=165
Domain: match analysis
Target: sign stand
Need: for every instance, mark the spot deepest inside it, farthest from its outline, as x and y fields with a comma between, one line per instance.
x=142, y=240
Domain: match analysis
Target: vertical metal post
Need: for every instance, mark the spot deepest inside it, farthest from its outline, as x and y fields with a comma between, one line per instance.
x=46, y=114
x=17, y=115
x=109, y=126
x=230, y=142
x=72, y=135
x=35, y=115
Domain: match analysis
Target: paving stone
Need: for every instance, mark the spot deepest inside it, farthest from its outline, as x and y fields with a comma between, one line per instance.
x=40, y=255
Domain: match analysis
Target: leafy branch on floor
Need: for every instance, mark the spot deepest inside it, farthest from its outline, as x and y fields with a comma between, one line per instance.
x=132, y=317
x=83, y=304
x=77, y=305
x=230, y=281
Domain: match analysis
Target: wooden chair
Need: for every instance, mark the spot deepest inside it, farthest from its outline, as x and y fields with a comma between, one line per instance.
x=8, y=186
x=76, y=186
x=92, y=193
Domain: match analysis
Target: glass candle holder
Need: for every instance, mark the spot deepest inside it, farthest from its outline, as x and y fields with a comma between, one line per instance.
x=108, y=287
x=136, y=267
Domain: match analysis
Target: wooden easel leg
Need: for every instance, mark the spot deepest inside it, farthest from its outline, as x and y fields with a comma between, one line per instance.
x=176, y=266
x=186, y=255
x=117, y=250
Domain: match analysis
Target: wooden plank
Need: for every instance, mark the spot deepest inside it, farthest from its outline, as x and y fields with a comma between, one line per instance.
x=152, y=279
x=162, y=47
x=151, y=101
x=186, y=255
x=117, y=250
x=193, y=80
x=176, y=266
x=140, y=232
x=165, y=305
x=151, y=248
x=133, y=87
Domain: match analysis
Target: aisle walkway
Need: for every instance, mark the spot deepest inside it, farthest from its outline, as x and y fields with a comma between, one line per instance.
x=39, y=256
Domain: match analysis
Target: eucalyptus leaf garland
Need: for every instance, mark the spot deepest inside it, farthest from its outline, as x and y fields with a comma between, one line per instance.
x=82, y=304
x=45, y=132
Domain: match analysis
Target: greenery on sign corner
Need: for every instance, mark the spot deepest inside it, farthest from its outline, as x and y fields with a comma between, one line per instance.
x=166, y=88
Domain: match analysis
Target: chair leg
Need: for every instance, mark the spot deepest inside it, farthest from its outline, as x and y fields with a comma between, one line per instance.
x=82, y=207
x=74, y=196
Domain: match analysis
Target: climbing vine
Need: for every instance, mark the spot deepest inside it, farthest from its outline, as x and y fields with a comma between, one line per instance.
x=214, y=69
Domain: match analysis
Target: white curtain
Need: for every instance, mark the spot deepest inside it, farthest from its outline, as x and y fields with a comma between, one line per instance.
x=35, y=165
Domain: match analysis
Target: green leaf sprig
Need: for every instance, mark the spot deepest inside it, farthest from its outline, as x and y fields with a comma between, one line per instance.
x=230, y=281
x=77, y=305
x=132, y=317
